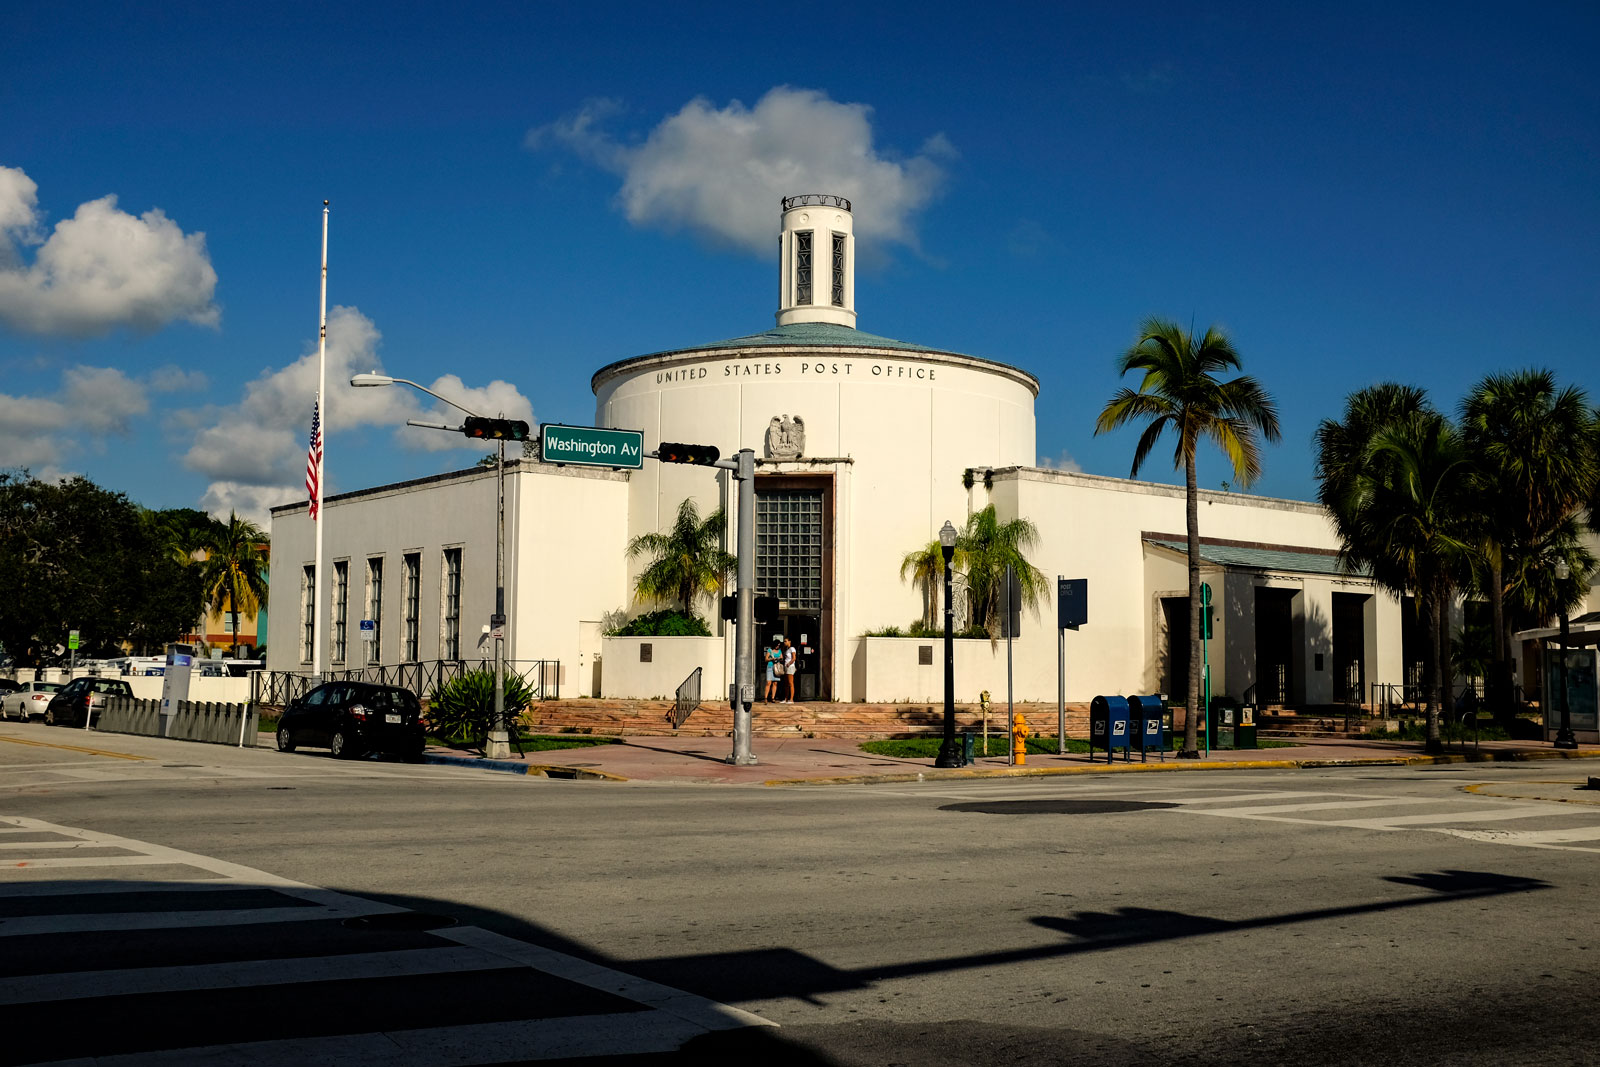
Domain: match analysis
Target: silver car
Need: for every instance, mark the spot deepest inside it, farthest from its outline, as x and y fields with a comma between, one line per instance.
x=30, y=701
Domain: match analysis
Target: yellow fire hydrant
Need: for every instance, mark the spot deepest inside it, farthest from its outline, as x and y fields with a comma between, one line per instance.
x=1019, y=740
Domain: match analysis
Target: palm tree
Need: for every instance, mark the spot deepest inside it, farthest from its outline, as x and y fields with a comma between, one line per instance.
x=1535, y=446
x=686, y=563
x=1180, y=390
x=1409, y=517
x=925, y=566
x=988, y=546
x=234, y=573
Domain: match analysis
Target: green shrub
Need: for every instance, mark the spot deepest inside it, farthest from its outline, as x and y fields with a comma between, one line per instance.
x=885, y=631
x=666, y=623
x=462, y=710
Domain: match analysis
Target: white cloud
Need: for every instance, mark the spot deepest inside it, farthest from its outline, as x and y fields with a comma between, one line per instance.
x=98, y=270
x=252, y=502
x=172, y=379
x=721, y=172
x=1064, y=462
x=92, y=403
x=255, y=451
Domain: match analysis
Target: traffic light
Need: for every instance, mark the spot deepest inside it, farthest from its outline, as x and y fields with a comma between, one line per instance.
x=704, y=455
x=495, y=429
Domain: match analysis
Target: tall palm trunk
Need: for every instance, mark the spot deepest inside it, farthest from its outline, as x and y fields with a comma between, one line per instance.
x=1499, y=692
x=1191, y=722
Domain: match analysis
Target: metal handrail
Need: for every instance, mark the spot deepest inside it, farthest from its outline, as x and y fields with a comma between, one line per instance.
x=686, y=699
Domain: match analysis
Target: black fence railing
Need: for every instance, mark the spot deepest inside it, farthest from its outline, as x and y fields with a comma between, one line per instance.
x=278, y=688
x=686, y=699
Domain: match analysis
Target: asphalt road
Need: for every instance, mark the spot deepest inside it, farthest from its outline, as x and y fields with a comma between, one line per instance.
x=262, y=908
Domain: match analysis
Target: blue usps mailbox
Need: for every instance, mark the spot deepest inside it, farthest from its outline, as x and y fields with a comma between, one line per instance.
x=1108, y=726
x=1147, y=714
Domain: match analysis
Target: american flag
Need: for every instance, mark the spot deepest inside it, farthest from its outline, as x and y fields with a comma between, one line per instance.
x=314, y=458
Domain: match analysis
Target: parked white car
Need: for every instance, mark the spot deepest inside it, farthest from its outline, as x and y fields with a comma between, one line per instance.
x=30, y=701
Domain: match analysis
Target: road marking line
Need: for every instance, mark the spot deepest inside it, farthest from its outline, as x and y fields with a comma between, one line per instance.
x=1328, y=805
x=48, y=844
x=80, y=985
x=1400, y=822
x=71, y=748
x=1254, y=796
x=705, y=1014
x=568, y=1037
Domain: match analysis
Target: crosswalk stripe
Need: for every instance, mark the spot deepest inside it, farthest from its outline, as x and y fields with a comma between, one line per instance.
x=1326, y=805
x=78, y=985
x=630, y=1034
x=1466, y=815
x=32, y=925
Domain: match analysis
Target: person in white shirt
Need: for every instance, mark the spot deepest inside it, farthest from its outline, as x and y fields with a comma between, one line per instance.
x=788, y=667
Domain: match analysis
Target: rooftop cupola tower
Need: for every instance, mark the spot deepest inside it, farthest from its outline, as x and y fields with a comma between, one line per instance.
x=817, y=261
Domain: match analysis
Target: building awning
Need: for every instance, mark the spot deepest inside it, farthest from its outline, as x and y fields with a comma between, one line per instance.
x=1581, y=630
x=1276, y=558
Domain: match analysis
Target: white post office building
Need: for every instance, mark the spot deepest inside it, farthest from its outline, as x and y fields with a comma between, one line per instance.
x=866, y=446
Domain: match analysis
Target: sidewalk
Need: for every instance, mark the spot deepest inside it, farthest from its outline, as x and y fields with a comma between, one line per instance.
x=816, y=761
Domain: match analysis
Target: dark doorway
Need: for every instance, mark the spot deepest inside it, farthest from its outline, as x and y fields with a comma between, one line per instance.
x=1274, y=645
x=1349, y=648
x=1175, y=664
x=1415, y=655
x=794, y=567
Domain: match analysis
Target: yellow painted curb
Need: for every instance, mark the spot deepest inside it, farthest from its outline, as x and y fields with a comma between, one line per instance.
x=72, y=748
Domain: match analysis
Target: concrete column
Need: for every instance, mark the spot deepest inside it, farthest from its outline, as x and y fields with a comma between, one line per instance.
x=1313, y=610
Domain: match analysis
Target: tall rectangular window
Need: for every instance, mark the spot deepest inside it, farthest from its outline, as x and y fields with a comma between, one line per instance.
x=308, y=612
x=375, y=608
x=802, y=267
x=341, y=608
x=838, y=270
x=413, y=579
x=789, y=546
x=452, y=604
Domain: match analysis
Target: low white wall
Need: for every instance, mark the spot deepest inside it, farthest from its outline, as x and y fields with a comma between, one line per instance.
x=148, y=687
x=624, y=677
x=893, y=675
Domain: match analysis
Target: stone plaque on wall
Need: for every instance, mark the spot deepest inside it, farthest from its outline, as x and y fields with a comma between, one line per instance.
x=924, y=655
x=646, y=650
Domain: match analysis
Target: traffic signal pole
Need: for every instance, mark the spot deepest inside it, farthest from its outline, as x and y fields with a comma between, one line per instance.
x=744, y=694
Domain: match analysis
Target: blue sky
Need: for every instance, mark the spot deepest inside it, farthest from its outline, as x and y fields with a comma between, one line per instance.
x=522, y=193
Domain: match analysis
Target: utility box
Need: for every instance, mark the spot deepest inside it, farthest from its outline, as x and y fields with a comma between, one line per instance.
x=1109, y=726
x=1147, y=715
x=1244, y=734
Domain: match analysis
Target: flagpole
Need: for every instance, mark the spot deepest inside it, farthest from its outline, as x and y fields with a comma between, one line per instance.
x=317, y=600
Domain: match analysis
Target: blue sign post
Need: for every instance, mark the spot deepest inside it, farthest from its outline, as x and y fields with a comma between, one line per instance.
x=1072, y=611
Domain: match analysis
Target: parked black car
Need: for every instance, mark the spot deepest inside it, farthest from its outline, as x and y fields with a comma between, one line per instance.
x=355, y=717
x=83, y=696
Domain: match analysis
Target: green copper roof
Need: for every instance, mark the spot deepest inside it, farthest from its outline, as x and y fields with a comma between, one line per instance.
x=1265, y=559
x=812, y=335
x=819, y=334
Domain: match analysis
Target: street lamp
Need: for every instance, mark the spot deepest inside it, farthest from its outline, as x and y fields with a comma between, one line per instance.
x=499, y=744
x=1564, y=738
x=949, y=755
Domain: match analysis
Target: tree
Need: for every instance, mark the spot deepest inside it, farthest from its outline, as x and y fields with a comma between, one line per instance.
x=234, y=573
x=686, y=563
x=1408, y=516
x=1180, y=390
x=1535, y=448
x=74, y=556
x=925, y=566
x=987, y=546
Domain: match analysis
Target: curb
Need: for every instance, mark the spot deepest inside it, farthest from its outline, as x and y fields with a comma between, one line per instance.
x=541, y=770
x=1189, y=766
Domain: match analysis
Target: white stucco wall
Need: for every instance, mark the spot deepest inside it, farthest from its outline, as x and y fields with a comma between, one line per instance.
x=565, y=536
x=893, y=428
x=672, y=660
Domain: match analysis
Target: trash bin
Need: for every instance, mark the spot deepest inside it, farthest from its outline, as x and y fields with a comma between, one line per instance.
x=1108, y=726
x=1149, y=715
x=1244, y=734
x=966, y=747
